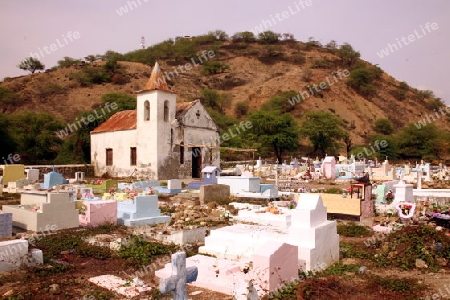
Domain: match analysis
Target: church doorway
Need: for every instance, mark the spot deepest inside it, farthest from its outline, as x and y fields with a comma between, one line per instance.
x=196, y=162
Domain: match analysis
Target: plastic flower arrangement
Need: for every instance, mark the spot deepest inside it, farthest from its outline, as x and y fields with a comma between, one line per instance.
x=226, y=215
x=389, y=197
x=405, y=208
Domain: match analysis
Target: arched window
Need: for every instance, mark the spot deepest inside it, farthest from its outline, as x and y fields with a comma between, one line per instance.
x=166, y=111
x=146, y=111
x=181, y=153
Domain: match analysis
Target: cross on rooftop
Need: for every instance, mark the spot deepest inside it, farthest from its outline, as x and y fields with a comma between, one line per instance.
x=181, y=275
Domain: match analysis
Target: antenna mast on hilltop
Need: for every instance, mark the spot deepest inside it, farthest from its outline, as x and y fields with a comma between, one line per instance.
x=143, y=42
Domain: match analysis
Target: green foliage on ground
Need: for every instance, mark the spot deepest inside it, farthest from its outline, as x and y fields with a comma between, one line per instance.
x=402, y=247
x=139, y=252
x=352, y=229
x=362, y=79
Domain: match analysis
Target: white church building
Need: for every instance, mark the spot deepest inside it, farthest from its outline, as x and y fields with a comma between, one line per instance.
x=161, y=139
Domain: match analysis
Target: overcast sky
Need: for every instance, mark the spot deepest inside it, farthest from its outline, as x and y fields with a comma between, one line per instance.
x=82, y=27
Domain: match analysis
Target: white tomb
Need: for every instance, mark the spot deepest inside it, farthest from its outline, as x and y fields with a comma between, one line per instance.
x=315, y=236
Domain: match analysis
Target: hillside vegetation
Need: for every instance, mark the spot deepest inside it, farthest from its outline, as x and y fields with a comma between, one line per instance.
x=303, y=98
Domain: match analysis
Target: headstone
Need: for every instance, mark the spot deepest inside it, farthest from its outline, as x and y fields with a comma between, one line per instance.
x=210, y=174
x=13, y=254
x=174, y=185
x=419, y=179
x=98, y=212
x=5, y=224
x=381, y=190
x=13, y=173
x=403, y=193
x=52, y=179
x=214, y=192
x=142, y=210
x=329, y=167
x=32, y=174
x=180, y=277
x=274, y=264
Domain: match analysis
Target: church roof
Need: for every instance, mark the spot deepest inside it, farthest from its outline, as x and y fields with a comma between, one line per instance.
x=122, y=120
x=157, y=81
x=183, y=107
x=127, y=119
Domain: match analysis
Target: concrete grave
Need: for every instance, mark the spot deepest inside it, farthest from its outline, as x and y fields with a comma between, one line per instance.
x=315, y=236
x=214, y=192
x=142, y=210
x=210, y=174
x=240, y=184
x=129, y=289
x=12, y=173
x=14, y=254
x=36, y=210
x=5, y=225
x=32, y=174
x=98, y=212
x=174, y=186
x=274, y=264
x=52, y=179
x=176, y=283
x=329, y=167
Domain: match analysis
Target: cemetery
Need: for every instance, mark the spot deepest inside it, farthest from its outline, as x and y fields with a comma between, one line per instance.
x=251, y=233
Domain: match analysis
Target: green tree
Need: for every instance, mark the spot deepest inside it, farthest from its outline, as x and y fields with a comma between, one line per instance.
x=383, y=126
x=67, y=61
x=217, y=101
x=77, y=146
x=31, y=64
x=7, y=143
x=324, y=130
x=214, y=67
x=361, y=79
x=275, y=130
x=35, y=136
x=347, y=54
x=269, y=37
x=280, y=102
x=219, y=35
x=424, y=143
x=91, y=58
x=245, y=36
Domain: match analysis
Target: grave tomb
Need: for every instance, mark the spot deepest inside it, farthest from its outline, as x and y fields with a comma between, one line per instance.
x=140, y=211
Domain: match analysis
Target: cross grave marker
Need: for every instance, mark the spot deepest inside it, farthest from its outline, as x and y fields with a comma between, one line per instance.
x=181, y=275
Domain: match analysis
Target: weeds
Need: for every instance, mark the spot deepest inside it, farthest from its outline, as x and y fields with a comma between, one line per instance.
x=140, y=252
x=352, y=230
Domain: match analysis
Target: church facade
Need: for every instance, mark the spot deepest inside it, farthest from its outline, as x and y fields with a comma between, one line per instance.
x=161, y=139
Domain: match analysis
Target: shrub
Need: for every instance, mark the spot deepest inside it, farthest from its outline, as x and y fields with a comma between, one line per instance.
x=352, y=230
x=50, y=89
x=269, y=37
x=213, y=67
x=361, y=79
x=240, y=109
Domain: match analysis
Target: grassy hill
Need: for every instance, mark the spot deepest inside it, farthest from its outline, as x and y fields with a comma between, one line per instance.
x=249, y=72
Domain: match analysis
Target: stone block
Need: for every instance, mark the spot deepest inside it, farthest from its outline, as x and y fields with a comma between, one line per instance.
x=13, y=172
x=99, y=212
x=309, y=212
x=5, y=225
x=214, y=192
x=13, y=255
x=32, y=174
x=274, y=264
x=174, y=184
x=142, y=210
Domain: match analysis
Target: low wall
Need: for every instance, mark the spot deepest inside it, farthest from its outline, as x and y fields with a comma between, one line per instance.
x=68, y=171
x=337, y=205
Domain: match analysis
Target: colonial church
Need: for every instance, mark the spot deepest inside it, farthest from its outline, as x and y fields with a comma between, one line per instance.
x=161, y=139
